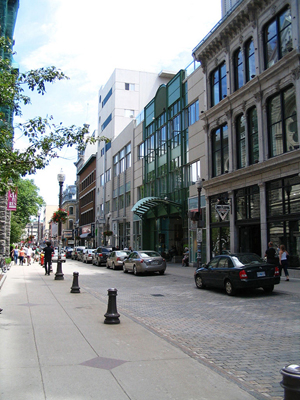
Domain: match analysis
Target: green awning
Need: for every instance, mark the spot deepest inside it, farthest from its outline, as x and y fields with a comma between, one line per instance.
x=150, y=203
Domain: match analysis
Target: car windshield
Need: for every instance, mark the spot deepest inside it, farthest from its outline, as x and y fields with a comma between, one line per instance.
x=149, y=254
x=103, y=250
x=243, y=259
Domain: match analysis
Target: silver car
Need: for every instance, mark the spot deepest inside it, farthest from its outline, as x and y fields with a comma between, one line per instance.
x=144, y=261
x=87, y=255
x=116, y=258
x=55, y=256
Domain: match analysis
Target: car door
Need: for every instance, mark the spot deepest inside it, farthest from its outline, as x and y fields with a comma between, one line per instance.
x=210, y=272
x=131, y=260
x=222, y=271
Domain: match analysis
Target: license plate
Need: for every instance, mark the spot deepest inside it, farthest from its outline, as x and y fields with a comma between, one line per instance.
x=262, y=273
x=154, y=262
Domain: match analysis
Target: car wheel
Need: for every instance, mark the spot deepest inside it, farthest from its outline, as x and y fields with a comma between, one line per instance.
x=199, y=282
x=229, y=288
x=98, y=263
x=161, y=272
x=268, y=289
x=113, y=266
x=124, y=269
x=134, y=270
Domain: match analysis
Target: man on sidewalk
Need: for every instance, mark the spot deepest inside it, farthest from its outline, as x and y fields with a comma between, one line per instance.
x=48, y=258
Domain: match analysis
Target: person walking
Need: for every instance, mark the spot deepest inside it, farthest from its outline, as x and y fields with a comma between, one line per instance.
x=21, y=255
x=283, y=261
x=16, y=254
x=48, y=258
x=270, y=254
x=29, y=254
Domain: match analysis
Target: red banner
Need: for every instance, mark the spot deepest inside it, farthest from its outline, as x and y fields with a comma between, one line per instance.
x=12, y=201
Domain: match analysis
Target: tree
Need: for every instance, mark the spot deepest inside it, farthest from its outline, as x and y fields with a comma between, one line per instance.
x=45, y=139
x=29, y=202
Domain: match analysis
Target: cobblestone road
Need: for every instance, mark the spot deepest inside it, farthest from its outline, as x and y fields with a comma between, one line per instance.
x=248, y=338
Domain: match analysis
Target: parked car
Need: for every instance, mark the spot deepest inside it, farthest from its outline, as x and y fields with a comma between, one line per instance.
x=144, y=261
x=87, y=255
x=100, y=255
x=80, y=254
x=237, y=271
x=55, y=256
x=116, y=258
x=75, y=250
x=69, y=252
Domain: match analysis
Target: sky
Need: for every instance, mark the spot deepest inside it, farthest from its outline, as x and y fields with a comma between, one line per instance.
x=87, y=40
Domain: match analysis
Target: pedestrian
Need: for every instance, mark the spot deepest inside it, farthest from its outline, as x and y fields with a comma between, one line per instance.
x=21, y=255
x=16, y=254
x=185, y=260
x=48, y=258
x=271, y=254
x=283, y=261
x=29, y=254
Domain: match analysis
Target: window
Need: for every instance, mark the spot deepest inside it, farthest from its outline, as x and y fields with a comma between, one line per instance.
x=105, y=100
x=129, y=113
x=107, y=175
x=218, y=84
x=71, y=210
x=278, y=37
x=250, y=60
x=241, y=141
x=282, y=122
x=220, y=158
x=141, y=151
x=195, y=172
x=238, y=69
x=130, y=86
x=102, y=180
x=253, y=136
x=106, y=122
x=247, y=203
x=193, y=113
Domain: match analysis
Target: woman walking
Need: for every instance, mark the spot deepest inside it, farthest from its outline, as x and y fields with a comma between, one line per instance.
x=283, y=261
x=21, y=255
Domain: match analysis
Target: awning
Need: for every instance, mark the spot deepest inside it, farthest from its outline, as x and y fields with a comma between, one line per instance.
x=85, y=235
x=150, y=203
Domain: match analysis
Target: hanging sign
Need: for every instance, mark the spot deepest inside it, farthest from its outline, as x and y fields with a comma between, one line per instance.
x=12, y=201
x=223, y=210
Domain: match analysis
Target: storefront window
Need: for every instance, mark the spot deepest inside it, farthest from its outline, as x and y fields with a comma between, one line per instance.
x=247, y=203
x=220, y=240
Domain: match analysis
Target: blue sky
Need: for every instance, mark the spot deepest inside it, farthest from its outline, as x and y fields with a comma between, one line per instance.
x=87, y=41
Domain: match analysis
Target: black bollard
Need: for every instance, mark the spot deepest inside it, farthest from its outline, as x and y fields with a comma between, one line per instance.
x=291, y=382
x=112, y=315
x=59, y=276
x=75, y=287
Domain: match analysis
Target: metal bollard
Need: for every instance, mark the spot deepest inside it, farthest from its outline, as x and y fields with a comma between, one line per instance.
x=112, y=315
x=75, y=287
x=59, y=276
x=291, y=382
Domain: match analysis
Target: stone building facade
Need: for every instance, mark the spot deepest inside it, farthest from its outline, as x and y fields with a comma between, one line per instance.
x=252, y=97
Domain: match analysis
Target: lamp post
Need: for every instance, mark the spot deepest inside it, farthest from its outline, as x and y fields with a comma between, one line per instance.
x=199, y=186
x=59, y=275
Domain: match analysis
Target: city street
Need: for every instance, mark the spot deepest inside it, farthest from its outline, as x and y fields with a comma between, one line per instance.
x=247, y=338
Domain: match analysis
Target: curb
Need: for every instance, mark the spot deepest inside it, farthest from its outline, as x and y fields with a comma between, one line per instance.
x=2, y=280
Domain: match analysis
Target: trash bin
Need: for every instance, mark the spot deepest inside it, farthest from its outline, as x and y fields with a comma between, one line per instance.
x=291, y=382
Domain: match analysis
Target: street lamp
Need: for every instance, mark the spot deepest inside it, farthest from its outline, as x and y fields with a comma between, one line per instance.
x=199, y=186
x=59, y=275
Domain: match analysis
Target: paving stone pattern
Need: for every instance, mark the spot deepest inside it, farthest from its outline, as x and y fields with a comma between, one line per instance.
x=248, y=338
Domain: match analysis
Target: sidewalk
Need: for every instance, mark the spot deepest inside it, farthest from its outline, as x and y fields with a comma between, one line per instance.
x=55, y=346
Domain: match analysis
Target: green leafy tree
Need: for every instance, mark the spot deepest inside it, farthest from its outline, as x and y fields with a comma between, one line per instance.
x=45, y=138
x=29, y=202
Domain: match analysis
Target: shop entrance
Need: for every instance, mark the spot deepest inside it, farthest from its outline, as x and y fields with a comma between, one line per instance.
x=250, y=239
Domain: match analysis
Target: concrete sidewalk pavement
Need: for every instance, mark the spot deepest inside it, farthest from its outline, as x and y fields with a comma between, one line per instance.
x=55, y=346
